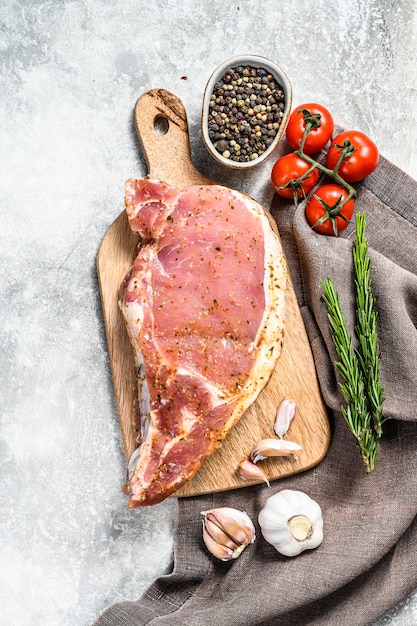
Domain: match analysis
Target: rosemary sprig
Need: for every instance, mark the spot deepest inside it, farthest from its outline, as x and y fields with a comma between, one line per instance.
x=355, y=412
x=360, y=366
x=366, y=326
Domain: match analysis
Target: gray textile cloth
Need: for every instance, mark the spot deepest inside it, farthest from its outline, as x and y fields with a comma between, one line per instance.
x=367, y=562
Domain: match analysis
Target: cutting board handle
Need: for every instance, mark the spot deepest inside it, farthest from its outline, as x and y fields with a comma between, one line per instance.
x=162, y=128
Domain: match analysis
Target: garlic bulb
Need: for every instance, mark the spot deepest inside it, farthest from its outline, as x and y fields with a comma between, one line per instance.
x=292, y=522
x=285, y=416
x=227, y=532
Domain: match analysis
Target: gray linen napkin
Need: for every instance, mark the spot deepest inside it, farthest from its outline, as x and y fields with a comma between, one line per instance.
x=367, y=562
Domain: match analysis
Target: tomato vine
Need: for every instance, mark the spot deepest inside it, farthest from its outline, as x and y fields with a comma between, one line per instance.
x=354, y=154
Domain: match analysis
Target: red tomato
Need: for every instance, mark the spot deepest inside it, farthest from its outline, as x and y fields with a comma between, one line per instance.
x=361, y=159
x=291, y=168
x=324, y=205
x=322, y=127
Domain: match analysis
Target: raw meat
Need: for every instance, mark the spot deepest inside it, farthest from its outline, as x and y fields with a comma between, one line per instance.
x=204, y=310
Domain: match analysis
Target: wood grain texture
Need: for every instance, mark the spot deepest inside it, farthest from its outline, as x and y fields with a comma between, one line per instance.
x=168, y=158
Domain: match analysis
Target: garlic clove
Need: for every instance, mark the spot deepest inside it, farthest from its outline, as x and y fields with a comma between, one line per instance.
x=273, y=447
x=219, y=551
x=285, y=415
x=219, y=536
x=249, y=471
x=227, y=532
x=236, y=524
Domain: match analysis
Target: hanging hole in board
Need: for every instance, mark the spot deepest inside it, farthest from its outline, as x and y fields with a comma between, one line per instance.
x=161, y=125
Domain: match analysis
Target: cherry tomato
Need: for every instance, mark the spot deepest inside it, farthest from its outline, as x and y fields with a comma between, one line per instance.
x=290, y=168
x=332, y=196
x=360, y=161
x=322, y=127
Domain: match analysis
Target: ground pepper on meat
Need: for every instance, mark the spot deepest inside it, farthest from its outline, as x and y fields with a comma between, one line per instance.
x=245, y=113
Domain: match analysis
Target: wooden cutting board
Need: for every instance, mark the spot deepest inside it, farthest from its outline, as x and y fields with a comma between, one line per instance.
x=162, y=128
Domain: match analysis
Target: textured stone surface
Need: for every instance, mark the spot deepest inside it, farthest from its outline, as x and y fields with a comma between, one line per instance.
x=71, y=72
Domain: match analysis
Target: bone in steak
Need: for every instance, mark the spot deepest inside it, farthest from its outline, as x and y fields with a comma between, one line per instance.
x=204, y=310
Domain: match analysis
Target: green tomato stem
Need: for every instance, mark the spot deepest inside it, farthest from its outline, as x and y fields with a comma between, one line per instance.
x=332, y=173
x=308, y=127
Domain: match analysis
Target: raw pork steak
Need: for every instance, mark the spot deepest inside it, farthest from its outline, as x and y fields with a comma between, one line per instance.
x=203, y=305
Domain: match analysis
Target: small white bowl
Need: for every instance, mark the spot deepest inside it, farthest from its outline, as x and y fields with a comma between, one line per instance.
x=255, y=62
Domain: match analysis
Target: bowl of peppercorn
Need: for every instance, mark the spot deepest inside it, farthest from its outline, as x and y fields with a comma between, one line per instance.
x=246, y=106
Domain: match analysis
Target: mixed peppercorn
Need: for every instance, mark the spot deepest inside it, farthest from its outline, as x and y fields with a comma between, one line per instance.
x=246, y=110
